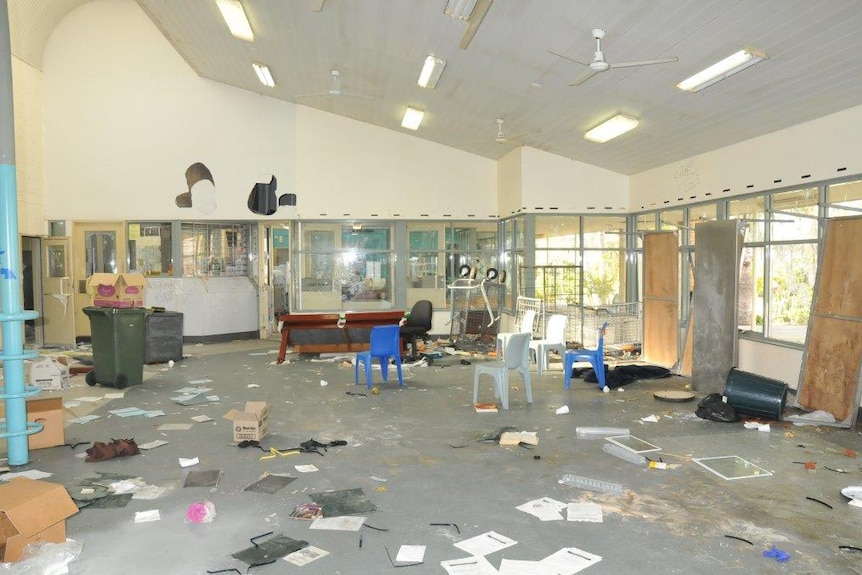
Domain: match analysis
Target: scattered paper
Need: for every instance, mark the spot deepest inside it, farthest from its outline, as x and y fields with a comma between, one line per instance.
x=323, y=383
x=570, y=560
x=147, y=516
x=90, y=399
x=546, y=509
x=470, y=566
x=410, y=554
x=306, y=512
x=519, y=567
x=188, y=461
x=152, y=444
x=485, y=543
x=253, y=385
x=85, y=419
x=29, y=474
x=342, y=523
x=202, y=418
x=310, y=468
x=380, y=479
x=200, y=381
x=756, y=425
x=584, y=511
x=115, y=395
x=71, y=404
x=128, y=411
x=306, y=555
x=175, y=426
x=125, y=486
x=193, y=390
x=650, y=419
x=154, y=413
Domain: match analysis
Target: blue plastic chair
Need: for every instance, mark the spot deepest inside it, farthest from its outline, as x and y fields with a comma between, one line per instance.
x=596, y=357
x=385, y=343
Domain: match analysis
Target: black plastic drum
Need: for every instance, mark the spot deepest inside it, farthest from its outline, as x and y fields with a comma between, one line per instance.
x=756, y=395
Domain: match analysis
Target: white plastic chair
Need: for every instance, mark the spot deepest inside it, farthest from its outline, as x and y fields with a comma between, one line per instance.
x=526, y=327
x=514, y=359
x=555, y=339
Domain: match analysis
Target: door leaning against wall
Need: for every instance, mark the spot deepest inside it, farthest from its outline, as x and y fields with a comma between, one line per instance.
x=98, y=247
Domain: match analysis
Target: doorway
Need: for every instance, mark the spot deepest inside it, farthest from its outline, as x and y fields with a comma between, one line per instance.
x=99, y=247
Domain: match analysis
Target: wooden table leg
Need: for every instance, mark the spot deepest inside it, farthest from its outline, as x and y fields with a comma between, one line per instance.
x=282, y=349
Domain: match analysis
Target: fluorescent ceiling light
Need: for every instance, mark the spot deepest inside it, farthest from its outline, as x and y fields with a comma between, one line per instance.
x=459, y=9
x=720, y=70
x=431, y=72
x=619, y=124
x=234, y=17
x=412, y=118
x=264, y=75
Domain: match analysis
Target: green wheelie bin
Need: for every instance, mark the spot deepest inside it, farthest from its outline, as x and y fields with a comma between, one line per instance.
x=118, y=339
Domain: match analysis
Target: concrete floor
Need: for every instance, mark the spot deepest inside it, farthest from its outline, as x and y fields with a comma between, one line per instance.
x=666, y=521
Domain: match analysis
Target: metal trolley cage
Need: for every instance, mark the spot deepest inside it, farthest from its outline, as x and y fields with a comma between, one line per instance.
x=475, y=307
x=625, y=324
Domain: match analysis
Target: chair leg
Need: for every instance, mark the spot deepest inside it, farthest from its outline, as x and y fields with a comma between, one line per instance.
x=384, y=367
x=599, y=368
x=528, y=385
x=398, y=372
x=502, y=380
x=356, y=370
x=568, y=363
x=368, y=373
x=475, y=387
x=540, y=359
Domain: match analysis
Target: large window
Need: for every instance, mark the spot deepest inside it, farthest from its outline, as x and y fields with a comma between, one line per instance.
x=150, y=250
x=214, y=249
x=345, y=266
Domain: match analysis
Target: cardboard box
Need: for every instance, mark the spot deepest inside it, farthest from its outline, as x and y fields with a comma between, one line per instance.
x=117, y=290
x=251, y=424
x=30, y=511
x=49, y=374
x=49, y=412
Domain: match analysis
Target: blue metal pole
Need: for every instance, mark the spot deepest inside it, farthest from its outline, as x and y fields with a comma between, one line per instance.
x=12, y=316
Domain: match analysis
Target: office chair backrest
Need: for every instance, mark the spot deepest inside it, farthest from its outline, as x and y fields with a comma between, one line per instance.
x=420, y=315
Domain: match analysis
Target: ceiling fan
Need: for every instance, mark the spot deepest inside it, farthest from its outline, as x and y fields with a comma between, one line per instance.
x=335, y=89
x=599, y=64
x=500, y=138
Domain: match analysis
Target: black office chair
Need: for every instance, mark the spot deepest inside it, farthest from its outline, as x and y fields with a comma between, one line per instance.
x=417, y=325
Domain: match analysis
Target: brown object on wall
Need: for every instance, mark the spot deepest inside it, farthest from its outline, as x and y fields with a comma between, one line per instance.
x=833, y=352
x=661, y=297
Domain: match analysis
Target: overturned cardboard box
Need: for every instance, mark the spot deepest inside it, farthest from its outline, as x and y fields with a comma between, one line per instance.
x=117, y=290
x=251, y=424
x=30, y=511
x=49, y=412
x=49, y=373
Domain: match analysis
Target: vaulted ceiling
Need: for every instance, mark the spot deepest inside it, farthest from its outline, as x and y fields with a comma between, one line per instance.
x=813, y=66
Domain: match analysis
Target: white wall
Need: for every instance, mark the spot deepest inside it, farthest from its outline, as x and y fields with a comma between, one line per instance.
x=770, y=360
x=551, y=181
x=347, y=168
x=125, y=116
x=509, y=183
x=817, y=149
x=29, y=159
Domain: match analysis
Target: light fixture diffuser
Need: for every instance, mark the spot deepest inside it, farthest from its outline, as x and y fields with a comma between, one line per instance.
x=431, y=71
x=459, y=9
x=734, y=63
x=610, y=129
x=234, y=16
x=264, y=75
x=412, y=118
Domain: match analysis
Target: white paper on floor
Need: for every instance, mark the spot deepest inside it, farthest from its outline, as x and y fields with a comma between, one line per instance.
x=410, y=554
x=468, y=566
x=188, y=461
x=342, y=523
x=147, y=516
x=306, y=555
x=152, y=444
x=85, y=419
x=306, y=468
x=518, y=567
x=584, y=511
x=570, y=560
x=202, y=418
x=485, y=544
x=175, y=427
x=29, y=474
x=546, y=509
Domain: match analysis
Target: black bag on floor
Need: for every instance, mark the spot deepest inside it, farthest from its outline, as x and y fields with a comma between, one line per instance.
x=713, y=408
